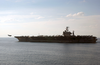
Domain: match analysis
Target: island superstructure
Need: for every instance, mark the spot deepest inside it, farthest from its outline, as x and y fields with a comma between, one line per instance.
x=67, y=37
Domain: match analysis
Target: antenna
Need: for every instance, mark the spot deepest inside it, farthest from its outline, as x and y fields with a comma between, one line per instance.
x=67, y=28
x=73, y=33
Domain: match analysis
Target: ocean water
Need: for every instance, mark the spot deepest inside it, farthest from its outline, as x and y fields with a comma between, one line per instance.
x=13, y=52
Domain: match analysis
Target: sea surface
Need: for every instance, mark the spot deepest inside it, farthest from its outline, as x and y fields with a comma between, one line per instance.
x=13, y=52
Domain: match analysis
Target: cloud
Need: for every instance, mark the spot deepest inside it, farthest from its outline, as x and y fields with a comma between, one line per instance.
x=6, y=12
x=19, y=17
x=86, y=25
x=69, y=15
x=31, y=13
x=76, y=14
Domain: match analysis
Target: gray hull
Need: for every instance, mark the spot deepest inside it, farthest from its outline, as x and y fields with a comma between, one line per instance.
x=58, y=39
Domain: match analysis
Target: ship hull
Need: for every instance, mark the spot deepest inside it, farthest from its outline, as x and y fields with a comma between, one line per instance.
x=58, y=39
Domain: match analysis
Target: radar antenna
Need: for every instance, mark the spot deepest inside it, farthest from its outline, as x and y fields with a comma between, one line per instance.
x=67, y=29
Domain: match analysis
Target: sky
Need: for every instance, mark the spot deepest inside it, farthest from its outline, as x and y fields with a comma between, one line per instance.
x=49, y=17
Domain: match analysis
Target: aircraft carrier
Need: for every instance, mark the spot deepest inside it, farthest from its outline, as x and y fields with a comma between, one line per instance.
x=67, y=37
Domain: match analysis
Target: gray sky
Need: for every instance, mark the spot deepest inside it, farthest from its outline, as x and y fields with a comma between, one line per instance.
x=49, y=17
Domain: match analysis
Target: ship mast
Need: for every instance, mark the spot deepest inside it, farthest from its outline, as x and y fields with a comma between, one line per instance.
x=73, y=33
